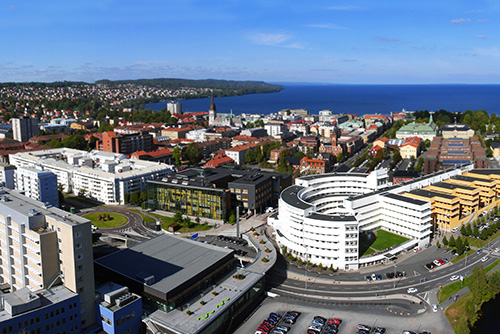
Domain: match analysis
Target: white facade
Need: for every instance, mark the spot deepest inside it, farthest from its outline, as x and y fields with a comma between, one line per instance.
x=196, y=135
x=274, y=129
x=174, y=107
x=42, y=246
x=106, y=177
x=320, y=218
x=7, y=176
x=38, y=185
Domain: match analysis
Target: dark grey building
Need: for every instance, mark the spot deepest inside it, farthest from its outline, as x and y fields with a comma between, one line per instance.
x=166, y=270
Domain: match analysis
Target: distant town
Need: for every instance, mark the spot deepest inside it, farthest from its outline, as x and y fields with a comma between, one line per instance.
x=119, y=219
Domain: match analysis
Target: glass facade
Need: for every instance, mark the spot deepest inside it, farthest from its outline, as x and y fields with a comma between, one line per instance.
x=194, y=201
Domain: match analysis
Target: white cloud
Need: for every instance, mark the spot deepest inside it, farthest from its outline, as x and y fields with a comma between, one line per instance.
x=483, y=20
x=268, y=38
x=326, y=26
x=460, y=21
x=482, y=36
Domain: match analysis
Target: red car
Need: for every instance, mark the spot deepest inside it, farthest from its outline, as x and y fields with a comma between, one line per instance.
x=334, y=321
x=441, y=261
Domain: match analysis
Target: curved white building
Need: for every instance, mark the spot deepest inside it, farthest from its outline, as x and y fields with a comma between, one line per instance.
x=321, y=216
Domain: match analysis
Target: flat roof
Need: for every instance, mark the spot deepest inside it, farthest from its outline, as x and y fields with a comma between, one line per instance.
x=23, y=206
x=289, y=195
x=471, y=179
x=486, y=171
x=335, y=218
x=170, y=259
x=405, y=199
x=430, y=194
x=448, y=185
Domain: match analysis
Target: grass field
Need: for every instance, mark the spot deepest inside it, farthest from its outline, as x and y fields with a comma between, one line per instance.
x=116, y=219
x=387, y=239
x=166, y=221
x=368, y=251
x=453, y=288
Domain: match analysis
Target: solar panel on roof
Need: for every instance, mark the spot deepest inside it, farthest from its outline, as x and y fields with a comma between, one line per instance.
x=453, y=162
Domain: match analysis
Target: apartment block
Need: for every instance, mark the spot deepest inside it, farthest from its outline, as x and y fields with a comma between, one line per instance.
x=24, y=128
x=42, y=247
x=37, y=184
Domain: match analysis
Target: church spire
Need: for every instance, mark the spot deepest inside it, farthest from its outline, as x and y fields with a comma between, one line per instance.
x=212, y=112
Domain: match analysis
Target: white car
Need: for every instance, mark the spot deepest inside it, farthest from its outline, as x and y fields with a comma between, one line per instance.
x=434, y=308
x=497, y=250
x=484, y=258
x=454, y=277
x=412, y=290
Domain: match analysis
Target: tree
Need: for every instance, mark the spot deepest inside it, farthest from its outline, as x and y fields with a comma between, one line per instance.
x=232, y=219
x=143, y=197
x=82, y=192
x=445, y=241
x=478, y=284
x=178, y=217
x=193, y=154
x=134, y=197
x=452, y=242
x=258, y=154
x=475, y=232
x=468, y=230
x=177, y=155
x=438, y=244
x=463, y=230
x=126, y=198
x=299, y=154
x=249, y=156
x=460, y=246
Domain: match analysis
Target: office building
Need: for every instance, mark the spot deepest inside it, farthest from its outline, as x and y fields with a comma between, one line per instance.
x=321, y=217
x=174, y=274
x=41, y=247
x=24, y=128
x=37, y=184
x=102, y=176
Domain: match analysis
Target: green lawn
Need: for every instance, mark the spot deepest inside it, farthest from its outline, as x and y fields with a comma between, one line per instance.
x=386, y=239
x=166, y=221
x=115, y=221
x=368, y=252
x=454, y=287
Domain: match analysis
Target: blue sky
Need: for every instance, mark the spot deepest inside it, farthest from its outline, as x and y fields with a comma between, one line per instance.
x=377, y=42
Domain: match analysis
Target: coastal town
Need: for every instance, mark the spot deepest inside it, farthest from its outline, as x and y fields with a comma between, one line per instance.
x=190, y=222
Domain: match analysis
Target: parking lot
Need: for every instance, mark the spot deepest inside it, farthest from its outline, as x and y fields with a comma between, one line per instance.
x=351, y=316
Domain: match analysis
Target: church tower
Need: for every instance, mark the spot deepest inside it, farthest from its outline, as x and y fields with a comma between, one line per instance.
x=212, y=113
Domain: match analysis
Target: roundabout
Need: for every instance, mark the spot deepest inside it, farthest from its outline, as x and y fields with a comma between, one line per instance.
x=106, y=219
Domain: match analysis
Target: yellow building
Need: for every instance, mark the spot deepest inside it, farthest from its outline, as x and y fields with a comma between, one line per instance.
x=490, y=174
x=469, y=196
x=445, y=208
x=488, y=188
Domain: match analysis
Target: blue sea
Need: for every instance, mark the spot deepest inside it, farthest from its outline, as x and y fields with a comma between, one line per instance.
x=355, y=99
